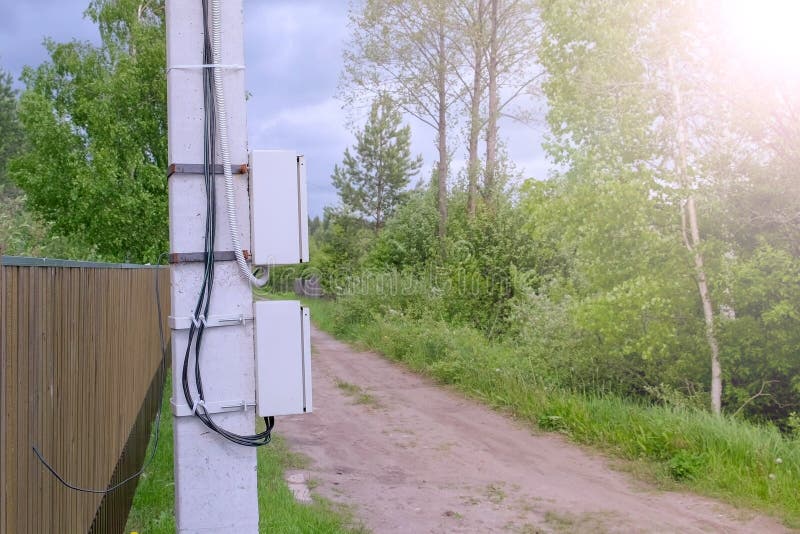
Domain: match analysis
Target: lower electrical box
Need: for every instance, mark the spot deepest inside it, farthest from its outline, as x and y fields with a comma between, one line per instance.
x=283, y=357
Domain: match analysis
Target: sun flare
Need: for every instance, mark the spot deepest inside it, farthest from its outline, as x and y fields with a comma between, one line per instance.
x=765, y=32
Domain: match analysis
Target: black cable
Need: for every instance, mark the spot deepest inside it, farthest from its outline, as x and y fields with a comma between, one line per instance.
x=157, y=422
x=203, y=305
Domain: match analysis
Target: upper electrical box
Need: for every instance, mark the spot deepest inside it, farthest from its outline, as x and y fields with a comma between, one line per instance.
x=278, y=212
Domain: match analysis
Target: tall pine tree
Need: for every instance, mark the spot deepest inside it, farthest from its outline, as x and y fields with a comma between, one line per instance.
x=371, y=182
x=10, y=131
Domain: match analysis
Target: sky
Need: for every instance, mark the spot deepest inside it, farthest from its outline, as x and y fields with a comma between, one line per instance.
x=293, y=54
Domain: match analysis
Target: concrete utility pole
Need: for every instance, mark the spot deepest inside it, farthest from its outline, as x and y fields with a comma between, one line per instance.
x=215, y=480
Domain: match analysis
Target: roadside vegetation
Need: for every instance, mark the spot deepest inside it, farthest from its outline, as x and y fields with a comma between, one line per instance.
x=644, y=296
x=154, y=503
x=681, y=445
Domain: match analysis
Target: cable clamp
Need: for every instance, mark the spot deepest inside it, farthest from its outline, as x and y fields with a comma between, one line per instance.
x=200, y=402
x=185, y=323
x=197, y=321
x=181, y=409
x=228, y=66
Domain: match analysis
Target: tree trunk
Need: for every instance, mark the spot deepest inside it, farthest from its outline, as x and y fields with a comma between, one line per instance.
x=691, y=238
x=473, y=166
x=379, y=176
x=494, y=103
x=441, y=177
x=693, y=243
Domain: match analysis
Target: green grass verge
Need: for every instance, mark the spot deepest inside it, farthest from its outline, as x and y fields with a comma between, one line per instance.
x=154, y=502
x=741, y=463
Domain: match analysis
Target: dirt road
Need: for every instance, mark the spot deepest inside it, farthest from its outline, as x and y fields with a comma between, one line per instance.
x=412, y=457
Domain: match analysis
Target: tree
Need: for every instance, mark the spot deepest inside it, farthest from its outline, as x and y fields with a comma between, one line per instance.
x=95, y=125
x=471, y=24
x=511, y=49
x=618, y=123
x=371, y=183
x=496, y=45
x=691, y=239
x=10, y=130
x=405, y=48
x=682, y=170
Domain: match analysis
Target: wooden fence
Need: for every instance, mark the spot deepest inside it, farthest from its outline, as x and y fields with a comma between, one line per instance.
x=81, y=372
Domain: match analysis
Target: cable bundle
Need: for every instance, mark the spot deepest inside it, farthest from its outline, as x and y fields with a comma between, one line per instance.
x=203, y=305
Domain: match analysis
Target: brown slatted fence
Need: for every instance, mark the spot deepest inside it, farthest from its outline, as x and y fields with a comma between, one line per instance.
x=81, y=372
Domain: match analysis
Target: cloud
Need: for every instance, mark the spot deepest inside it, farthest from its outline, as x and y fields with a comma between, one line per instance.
x=25, y=25
x=324, y=117
x=293, y=51
x=314, y=129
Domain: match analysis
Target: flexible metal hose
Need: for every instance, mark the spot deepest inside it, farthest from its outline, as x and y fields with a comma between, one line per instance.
x=222, y=127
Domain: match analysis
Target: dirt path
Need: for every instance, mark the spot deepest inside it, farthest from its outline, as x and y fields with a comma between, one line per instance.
x=412, y=457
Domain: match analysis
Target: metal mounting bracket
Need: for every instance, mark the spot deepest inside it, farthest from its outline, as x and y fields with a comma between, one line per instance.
x=181, y=409
x=199, y=169
x=200, y=257
x=185, y=323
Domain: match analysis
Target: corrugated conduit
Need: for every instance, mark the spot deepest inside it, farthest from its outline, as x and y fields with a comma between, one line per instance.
x=222, y=127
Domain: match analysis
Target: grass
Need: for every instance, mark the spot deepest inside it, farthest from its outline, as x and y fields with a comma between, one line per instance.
x=736, y=461
x=596, y=522
x=358, y=394
x=154, y=502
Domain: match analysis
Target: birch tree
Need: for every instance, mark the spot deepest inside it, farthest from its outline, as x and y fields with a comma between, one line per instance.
x=471, y=25
x=496, y=41
x=619, y=112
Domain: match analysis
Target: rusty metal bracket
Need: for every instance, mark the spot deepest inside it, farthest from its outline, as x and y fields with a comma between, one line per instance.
x=199, y=169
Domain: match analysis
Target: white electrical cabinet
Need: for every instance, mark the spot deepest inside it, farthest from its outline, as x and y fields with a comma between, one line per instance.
x=278, y=211
x=283, y=357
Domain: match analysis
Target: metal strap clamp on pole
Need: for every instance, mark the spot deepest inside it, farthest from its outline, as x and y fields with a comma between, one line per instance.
x=185, y=323
x=181, y=409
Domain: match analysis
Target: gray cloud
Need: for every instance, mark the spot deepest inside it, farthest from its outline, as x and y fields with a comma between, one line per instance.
x=25, y=25
x=293, y=51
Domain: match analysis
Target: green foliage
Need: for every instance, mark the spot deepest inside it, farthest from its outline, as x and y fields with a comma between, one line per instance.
x=591, y=268
x=761, y=340
x=153, y=505
x=95, y=125
x=23, y=234
x=685, y=466
x=10, y=130
x=409, y=239
x=344, y=243
x=574, y=302
x=613, y=212
x=372, y=181
x=793, y=422
x=485, y=254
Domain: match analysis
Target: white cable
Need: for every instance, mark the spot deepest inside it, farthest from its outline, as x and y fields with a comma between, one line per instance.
x=222, y=126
